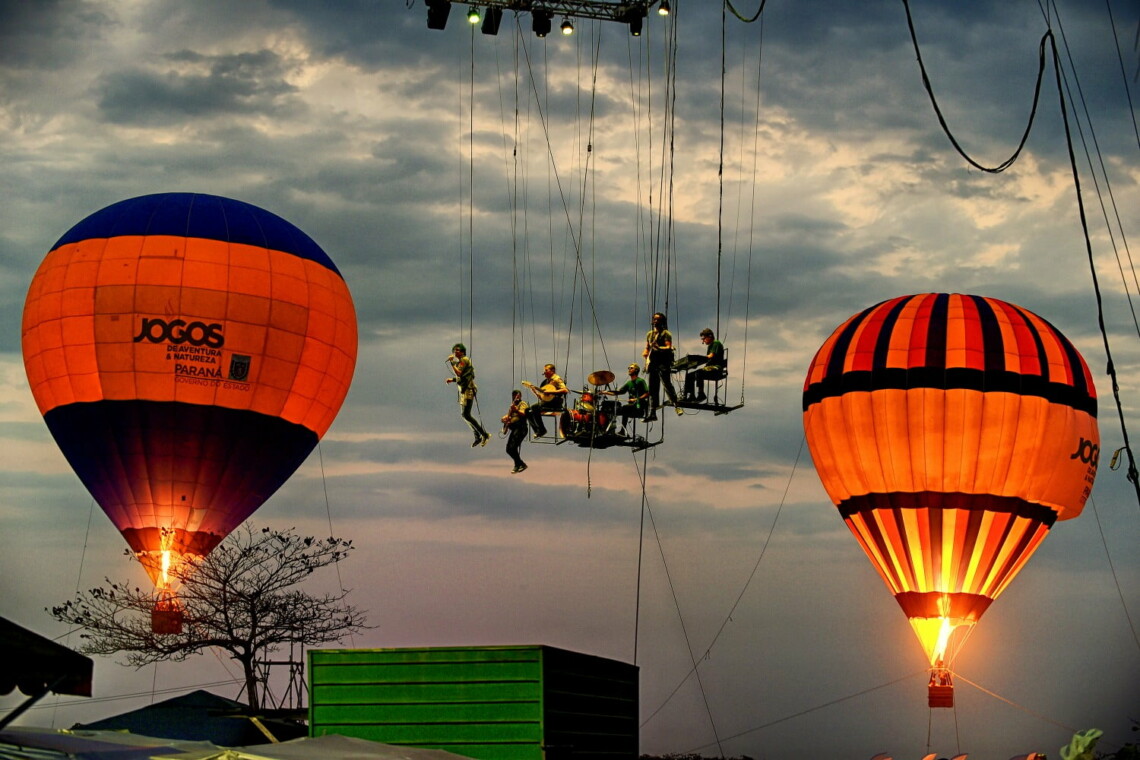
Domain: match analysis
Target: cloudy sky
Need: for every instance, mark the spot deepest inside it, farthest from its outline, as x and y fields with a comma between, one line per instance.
x=452, y=176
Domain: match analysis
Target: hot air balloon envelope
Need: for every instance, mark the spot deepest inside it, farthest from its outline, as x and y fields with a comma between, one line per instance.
x=951, y=431
x=187, y=352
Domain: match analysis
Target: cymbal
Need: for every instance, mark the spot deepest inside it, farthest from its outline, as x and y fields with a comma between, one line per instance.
x=601, y=377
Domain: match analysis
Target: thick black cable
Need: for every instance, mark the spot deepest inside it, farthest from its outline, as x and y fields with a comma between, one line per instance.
x=942, y=120
x=750, y=19
x=1104, y=172
x=1132, y=475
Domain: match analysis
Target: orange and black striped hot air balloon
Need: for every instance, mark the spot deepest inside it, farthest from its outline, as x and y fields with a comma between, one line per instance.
x=187, y=352
x=951, y=431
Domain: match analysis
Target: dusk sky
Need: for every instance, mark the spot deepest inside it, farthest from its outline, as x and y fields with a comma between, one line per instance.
x=539, y=199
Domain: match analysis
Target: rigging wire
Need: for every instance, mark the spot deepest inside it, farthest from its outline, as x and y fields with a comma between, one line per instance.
x=1123, y=74
x=740, y=596
x=752, y=216
x=720, y=162
x=680, y=617
x=1023, y=708
x=1132, y=474
x=1104, y=172
x=1115, y=577
x=575, y=236
x=808, y=711
x=1048, y=38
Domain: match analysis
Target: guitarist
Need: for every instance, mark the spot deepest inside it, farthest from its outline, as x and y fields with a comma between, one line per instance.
x=514, y=427
x=551, y=398
x=658, y=355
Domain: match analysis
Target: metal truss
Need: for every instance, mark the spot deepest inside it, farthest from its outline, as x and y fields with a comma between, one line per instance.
x=621, y=10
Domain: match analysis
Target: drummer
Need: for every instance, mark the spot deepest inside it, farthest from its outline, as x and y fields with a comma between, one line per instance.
x=637, y=404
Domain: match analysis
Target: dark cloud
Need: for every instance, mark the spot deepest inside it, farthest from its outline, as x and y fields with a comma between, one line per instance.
x=197, y=87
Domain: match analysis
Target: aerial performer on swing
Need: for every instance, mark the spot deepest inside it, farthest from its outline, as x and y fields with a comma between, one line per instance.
x=658, y=355
x=700, y=368
x=551, y=395
x=464, y=380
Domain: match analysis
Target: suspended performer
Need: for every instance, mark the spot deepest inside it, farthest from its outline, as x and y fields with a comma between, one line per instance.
x=637, y=403
x=551, y=395
x=514, y=427
x=709, y=367
x=465, y=382
x=658, y=354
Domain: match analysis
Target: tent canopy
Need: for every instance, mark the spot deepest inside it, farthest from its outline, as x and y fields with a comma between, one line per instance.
x=96, y=745
x=198, y=716
x=330, y=747
x=34, y=664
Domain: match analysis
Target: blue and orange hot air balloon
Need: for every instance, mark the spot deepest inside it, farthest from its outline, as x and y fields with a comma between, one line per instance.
x=187, y=352
x=951, y=431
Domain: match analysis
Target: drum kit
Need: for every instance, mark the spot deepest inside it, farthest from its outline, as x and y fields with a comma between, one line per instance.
x=592, y=417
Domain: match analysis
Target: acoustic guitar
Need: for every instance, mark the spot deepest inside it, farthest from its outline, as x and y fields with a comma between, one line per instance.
x=544, y=393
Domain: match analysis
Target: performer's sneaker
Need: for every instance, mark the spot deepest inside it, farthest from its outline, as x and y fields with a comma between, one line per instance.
x=486, y=437
x=520, y=468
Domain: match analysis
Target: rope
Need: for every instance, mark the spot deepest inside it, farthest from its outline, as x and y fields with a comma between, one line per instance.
x=1023, y=708
x=1123, y=74
x=720, y=165
x=744, y=588
x=681, y=619
x=752, y=218
x=328, y=514
x=1115, y=577
x=78, y=581
x=808, y=711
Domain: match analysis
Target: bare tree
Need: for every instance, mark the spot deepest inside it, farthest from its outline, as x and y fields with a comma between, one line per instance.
x=241, y=598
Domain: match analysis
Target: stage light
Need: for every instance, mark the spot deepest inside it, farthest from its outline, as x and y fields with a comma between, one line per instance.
x=664, y=9
x=541, y=23
x=567, y=27
x=473, y=15
x=635, y=25
x=491, y=20
x=438, y=11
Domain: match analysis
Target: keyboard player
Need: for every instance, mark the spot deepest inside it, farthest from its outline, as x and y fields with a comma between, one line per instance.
x=698, y=368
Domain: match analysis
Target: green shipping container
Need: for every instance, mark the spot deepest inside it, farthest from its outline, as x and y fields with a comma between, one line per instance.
x=489, y=703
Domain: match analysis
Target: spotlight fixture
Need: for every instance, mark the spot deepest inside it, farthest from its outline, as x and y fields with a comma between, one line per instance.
x=473, y=15
x=635, y=25
x=541, y=23
x=438, y=11
x=664, y=9
x=567, y=27
x=491, y=20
